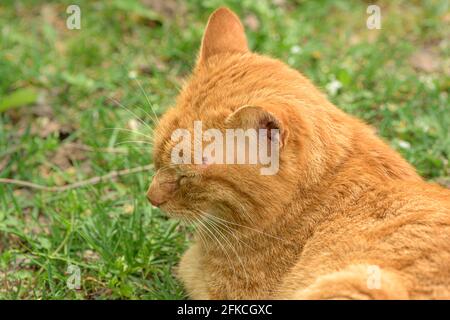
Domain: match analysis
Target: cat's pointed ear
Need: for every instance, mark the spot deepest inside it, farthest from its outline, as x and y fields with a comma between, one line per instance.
x=224, y=33
x=256, y=117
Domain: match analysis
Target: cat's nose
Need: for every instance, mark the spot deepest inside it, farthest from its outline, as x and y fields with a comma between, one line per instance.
x=159, y=191
x=155, y=201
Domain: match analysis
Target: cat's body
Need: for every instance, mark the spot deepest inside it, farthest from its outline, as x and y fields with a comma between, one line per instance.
x=336, y=250
x=345, y=216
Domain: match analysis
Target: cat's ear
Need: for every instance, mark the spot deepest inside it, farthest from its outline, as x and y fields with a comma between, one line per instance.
x=224, y=33
x=256, y=117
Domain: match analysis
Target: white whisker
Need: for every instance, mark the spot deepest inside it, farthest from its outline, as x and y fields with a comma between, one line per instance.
x=129, y=130
x=133, y=113
x=148, y=101
x=133, y=141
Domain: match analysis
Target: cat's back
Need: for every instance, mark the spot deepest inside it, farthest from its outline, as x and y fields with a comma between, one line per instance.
x=400, y=226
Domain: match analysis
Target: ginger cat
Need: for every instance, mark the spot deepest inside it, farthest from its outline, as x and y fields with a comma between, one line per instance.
x=345, y=217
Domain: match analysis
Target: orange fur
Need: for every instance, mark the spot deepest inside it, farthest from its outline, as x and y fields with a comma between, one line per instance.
x=342, y=201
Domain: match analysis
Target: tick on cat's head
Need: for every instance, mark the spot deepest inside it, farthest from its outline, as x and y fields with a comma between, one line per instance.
x=231, y=87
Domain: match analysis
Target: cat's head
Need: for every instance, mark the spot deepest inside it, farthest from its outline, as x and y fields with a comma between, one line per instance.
x=233, y=88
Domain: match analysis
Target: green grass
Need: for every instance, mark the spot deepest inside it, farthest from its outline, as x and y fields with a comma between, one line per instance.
x=124, y=248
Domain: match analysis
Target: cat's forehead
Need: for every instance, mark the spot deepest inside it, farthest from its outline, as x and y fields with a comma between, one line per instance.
x=218, y=88
x=185, y=118
x=207, y=117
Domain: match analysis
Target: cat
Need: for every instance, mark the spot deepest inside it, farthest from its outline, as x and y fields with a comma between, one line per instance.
x=345, y=217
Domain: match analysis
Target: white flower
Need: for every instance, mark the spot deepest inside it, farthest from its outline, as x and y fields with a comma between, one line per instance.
x=296, y=49
x=132, y=74
x=333, y=87
x=404, y=144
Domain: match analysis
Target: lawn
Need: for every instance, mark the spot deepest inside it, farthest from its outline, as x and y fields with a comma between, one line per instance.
x=81, y=104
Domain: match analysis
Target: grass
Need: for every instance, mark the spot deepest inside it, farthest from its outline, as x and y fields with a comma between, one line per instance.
x=62, y=92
